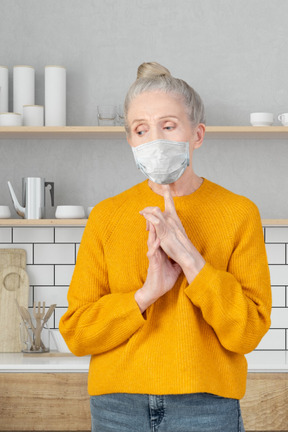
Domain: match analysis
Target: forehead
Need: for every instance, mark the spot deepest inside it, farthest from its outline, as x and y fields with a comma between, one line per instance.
x=156, y=104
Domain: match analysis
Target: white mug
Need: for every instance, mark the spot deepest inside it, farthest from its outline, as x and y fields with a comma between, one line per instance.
x=283, y=118
x=33, y=115
x=10, y=119
x=261, y=119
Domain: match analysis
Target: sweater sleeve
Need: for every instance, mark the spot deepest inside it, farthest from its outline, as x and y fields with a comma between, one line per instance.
x=236, y=302
x=96, y=320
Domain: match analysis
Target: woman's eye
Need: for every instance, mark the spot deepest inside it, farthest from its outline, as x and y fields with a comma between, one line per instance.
x=140, y=132
x=169, y=127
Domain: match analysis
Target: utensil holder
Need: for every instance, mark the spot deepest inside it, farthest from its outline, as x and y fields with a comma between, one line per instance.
x=27, y=337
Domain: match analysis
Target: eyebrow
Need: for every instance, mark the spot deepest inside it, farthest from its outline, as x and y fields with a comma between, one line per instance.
x=160, y=118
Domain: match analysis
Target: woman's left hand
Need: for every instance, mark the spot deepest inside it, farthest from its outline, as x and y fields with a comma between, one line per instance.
x=172, y=236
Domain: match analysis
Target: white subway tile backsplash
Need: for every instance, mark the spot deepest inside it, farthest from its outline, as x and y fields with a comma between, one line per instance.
x=54, y=254
x=41, y=274
x=5, y=235
x=279, y=274
x=276, y=235
x=27, y=247
x=63, y=274
x=33, y=235
x=51, y=255
x=59, y=312
x=68, y=235
x=279, y=318
x=275, y=253
x=278, y=296
x=274, y=339
x=271, y=357
x=51, y=295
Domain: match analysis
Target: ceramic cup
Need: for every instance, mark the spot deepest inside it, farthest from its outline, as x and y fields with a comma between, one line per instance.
x=283, y=118
x=10, y=119
x=261, y=119
x=4, y=212
x=33, y=115
x=70, y=212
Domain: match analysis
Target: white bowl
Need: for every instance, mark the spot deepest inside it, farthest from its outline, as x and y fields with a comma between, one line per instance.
x=89, y=209
x=5, y=212
x=261, y=119
x=70, y=212
x=59, y=342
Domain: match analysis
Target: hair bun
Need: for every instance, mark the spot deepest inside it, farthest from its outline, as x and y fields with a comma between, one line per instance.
x=151, y=70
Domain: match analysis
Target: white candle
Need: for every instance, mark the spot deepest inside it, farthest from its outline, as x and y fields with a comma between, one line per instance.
x=3, y=89
x=23, y=87
x=55, y=96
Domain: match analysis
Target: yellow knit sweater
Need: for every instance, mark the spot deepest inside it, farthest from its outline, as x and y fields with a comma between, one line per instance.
x=193, y=339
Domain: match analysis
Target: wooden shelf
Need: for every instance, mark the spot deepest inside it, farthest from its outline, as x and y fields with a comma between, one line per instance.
x=118, y=132
x=82, y=222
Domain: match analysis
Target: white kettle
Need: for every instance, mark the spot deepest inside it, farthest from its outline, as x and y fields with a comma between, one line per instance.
x=33, y=197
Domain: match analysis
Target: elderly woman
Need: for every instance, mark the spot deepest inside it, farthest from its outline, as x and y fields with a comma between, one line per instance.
x=171, y=286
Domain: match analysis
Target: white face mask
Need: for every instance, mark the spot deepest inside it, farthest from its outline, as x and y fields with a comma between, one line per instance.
x=162, y=161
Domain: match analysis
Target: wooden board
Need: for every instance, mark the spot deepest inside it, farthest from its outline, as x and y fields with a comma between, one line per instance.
x=14, y=285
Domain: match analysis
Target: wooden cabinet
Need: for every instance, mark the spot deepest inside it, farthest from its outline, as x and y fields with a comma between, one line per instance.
x=59, y=402
x=265, y=405
x=44, y=402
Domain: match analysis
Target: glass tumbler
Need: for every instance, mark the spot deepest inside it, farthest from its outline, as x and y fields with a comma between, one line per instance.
x=28, y=341
x=106, y=115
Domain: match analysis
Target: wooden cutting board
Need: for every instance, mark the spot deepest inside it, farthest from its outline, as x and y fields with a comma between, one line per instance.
x=14, y=285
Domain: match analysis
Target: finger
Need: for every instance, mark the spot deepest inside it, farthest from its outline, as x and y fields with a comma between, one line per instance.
x=168, y=199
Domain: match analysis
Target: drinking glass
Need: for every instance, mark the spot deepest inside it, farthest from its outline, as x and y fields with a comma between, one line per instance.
x=106, y=115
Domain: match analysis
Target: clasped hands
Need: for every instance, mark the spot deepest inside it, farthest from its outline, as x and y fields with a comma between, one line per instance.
x=169, y=252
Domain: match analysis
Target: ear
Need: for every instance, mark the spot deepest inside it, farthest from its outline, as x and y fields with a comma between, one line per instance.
x=199, y=135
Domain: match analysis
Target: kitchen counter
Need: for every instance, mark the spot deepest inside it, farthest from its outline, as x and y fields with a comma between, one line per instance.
x=18, y=362
x=258, y=361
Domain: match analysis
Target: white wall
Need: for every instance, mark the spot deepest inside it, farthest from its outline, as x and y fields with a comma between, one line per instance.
x=233, y=53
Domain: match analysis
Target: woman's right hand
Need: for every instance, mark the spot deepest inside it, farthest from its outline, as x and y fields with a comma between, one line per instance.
x=162, y=272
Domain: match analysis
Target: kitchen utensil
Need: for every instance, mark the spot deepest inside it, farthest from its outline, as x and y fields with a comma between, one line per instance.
x=69, y=212
x=33, y=195
x=48, y=314
x=4, y=212
x=283, y=118
x=11, y=289
x=31, y=332
x=261, y=119
x=38, y=315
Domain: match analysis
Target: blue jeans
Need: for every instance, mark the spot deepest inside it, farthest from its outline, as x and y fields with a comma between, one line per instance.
x=198, y=412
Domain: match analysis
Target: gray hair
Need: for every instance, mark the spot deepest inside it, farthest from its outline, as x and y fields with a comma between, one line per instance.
x=159, y=78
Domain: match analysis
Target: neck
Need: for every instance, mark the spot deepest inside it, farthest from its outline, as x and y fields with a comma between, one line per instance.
x=188, y=183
